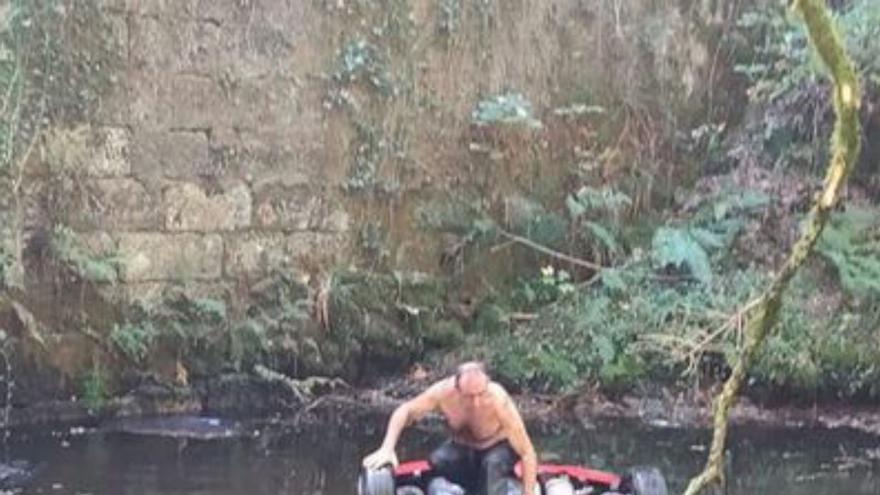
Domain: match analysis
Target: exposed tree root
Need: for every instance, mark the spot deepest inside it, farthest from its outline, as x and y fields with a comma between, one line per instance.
x=306, y=389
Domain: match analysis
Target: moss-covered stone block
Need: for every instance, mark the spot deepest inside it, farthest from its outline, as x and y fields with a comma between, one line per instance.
x=382, y=293
x=381, y=320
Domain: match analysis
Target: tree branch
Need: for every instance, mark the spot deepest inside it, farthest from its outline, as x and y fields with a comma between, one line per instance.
x=550, y=252
x=845, y=145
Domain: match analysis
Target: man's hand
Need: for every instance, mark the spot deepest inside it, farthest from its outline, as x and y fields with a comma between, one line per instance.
x=380, y=459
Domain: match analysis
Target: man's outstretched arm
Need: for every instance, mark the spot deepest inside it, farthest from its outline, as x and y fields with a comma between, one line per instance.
x=405, y=414
x=520, y=441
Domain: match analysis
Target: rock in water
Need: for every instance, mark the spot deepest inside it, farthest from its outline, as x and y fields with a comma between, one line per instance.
x=17, y=474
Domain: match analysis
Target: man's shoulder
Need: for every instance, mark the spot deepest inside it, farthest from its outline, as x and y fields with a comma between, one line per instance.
x=442, y=386
x=498, y=391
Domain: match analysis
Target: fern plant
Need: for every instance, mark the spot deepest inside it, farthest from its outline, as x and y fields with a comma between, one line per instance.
x=783, y=61
x=595, y=215
x=134, y=340
x=689, y=248
x=67, y=249
x=680, y=248
x=851, y=243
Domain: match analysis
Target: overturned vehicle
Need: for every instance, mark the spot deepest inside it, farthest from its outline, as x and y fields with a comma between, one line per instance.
x=418, y=478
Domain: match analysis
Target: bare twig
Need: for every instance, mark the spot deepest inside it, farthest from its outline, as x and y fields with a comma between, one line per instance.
x=523, y=316
x=550, y=252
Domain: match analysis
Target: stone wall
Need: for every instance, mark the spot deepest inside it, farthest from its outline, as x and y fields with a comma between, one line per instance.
x=220, y=149
x=242, y=137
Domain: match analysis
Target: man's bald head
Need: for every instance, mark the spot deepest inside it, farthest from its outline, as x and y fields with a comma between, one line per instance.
x=471, y=378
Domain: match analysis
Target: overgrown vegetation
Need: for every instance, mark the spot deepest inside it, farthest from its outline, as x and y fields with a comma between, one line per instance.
x=662, y=301
x=612, y=291
x=851, y=244
x=191, y=327
x=372, y=322
x=666, y=311
x=6, y=261
x=506, y=108
x=52, y=68
x=785, y=77
x=67, y=250
x=371, y=73
x=94, y=387
x=204, y=337
x=360, y=61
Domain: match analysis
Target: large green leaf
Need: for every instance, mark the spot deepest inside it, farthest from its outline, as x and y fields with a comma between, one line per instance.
x=679, y=249
x=604, y=236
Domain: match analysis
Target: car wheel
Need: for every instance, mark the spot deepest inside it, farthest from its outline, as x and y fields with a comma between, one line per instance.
x=647, y=481
x=376, y=482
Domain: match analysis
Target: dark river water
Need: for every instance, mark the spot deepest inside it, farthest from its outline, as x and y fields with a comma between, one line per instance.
x=324, y=461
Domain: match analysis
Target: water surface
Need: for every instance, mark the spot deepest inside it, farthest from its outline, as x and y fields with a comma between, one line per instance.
x=324, y=461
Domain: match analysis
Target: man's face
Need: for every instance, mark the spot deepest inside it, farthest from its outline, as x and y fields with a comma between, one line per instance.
x=474, y=388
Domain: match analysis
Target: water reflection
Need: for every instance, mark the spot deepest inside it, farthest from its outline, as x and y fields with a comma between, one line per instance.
x=773, y=461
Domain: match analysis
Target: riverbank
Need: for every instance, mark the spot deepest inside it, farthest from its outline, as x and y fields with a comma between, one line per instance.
x=248, y=396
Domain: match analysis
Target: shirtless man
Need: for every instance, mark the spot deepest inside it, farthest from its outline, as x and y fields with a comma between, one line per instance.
x=488, y=434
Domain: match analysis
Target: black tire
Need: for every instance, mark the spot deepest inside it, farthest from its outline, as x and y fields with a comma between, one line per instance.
x=378, y=482
x=646, y=481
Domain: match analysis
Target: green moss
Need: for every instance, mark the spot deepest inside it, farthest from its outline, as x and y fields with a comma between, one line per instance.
x=453, y=214
x=67, y=249
x=386, y=319
x=420, y=289
x=95, y=390
x=378, y=292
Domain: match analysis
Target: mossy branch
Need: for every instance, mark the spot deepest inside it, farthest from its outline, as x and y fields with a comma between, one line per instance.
x=845, y=146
